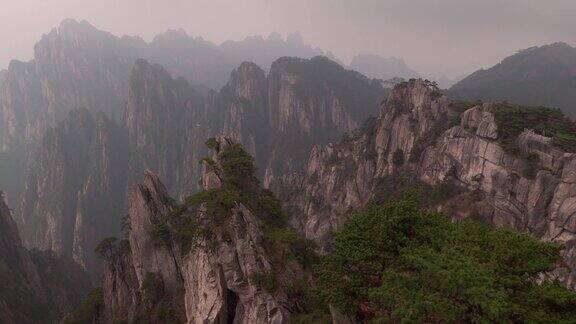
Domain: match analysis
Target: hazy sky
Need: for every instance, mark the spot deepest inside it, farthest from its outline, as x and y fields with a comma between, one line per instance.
x=433, y=36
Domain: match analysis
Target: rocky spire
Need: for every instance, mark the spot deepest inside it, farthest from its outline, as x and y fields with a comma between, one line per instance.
x=206, y=259
x=148, y=203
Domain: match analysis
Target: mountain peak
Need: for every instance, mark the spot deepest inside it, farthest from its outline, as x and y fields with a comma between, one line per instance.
x=536, y=76
x=70, y=26
x=172, y=35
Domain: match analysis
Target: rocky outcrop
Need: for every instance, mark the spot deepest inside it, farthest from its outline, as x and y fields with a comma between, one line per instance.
x=75, y=66
x=148, y=203
x=301, y=103
x=74, y=195
x=244, y=105
x=343, y=176
x=208, y=262
x=32, y=287
x=437, y=141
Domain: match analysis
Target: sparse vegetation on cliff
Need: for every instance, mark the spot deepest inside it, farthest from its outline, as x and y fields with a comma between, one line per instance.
x=89, y=311
x=396, y=186
x=512, y=120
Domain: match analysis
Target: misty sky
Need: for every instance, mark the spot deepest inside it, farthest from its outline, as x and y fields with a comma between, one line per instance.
x=435, y=37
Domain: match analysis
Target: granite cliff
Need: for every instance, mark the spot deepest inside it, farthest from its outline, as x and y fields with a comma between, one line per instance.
x=167, y=124
x=74, y=193
x=471, y=160
x=301, y=103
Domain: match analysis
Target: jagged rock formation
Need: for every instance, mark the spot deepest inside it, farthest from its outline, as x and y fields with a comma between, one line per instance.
x=340, y=177
x=204, y=260
x=92, y=161
x=300, y=103
x=535, y=76
x=426, y=135
x=74, y=194
x=264, y=52
x=303, y=103
x=75, y=66
x=166, y=121
x=32, y=287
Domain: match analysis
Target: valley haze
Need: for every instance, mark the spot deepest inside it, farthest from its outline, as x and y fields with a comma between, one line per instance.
x=263, y=161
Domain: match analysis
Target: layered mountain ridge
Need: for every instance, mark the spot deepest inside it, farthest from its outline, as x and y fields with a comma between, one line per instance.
x=93, y=160
x=78, y=66
x=87, y=120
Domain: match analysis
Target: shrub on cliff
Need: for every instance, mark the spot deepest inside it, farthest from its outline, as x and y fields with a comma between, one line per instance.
x=90, y=311
x=514, y=119
x=397, y=262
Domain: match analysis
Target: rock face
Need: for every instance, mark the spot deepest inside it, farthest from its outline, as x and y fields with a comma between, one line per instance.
x=417, y=132
x=32, y=288
x=74, y=195
x=75, y=66
x=213, y=280
x=243, y=103
x=167, y=126
x=341, y=177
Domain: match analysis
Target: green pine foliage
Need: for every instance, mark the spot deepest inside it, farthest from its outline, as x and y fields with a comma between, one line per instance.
x=105, y=248
x=266, y=281
x=90, y=310
x=514, y=119
x=239, y=186
x=400, y=263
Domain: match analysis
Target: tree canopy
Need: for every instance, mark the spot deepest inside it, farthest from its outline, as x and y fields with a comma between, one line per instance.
x=398, y=262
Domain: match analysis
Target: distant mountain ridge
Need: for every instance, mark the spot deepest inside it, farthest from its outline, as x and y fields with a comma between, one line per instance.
x=379, y=67
x=537, y=76
x=92, y=159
